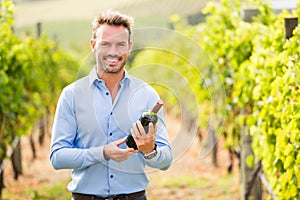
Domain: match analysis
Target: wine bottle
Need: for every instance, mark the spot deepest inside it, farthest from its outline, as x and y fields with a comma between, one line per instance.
x=147, y=117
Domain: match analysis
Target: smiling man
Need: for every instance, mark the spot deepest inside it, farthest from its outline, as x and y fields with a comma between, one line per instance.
x=96, y=113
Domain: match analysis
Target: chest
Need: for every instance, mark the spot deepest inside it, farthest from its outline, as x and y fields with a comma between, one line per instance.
x=98, y=117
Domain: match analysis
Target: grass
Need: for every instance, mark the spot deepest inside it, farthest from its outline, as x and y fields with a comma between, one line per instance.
x=180, y=181
x=71, y=34
x=193, y=187
x=159, y=187
x=54, y=192
x=42, y=192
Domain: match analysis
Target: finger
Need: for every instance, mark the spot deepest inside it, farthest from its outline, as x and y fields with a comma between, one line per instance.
x=123, y=154
x=141, y=129
x=136, y=130
x=134, y=134
x=132, y=150
x=155, y=129
x=120, y=141
x=151, y=131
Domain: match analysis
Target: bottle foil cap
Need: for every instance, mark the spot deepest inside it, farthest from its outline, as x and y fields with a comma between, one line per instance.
x=157, y=106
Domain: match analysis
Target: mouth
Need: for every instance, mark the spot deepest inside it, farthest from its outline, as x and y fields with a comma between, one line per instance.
x=112, y=60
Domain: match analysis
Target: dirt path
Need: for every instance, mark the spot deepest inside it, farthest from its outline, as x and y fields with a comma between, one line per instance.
x=191, y=167
x=35, y=171
x=173, y=184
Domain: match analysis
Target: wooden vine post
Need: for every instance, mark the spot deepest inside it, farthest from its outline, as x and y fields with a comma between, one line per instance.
x=16, y=158
x=249, y=13
x=251, y=187
x=290, y=23
x=38, y=29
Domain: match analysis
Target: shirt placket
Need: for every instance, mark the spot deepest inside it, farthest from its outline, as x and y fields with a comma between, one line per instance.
x=111, y=126
x=105, y=100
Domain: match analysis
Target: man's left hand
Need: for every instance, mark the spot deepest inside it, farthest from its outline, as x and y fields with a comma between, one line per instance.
x=144, y=141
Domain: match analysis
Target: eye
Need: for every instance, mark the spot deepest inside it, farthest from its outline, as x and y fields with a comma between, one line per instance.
x=104, y=44
x=122, y=44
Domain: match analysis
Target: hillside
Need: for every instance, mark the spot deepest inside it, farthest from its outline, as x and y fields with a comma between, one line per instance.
x=69, y=21
x=29, y=12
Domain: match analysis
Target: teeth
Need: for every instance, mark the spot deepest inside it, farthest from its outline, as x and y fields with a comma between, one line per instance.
x=112, y=60
x=109, y=60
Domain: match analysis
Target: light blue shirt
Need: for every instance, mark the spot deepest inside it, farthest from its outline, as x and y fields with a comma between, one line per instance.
x=86, y=119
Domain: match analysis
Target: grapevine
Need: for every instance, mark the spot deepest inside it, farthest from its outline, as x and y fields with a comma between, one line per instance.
x=259, y=69
x=32, y=72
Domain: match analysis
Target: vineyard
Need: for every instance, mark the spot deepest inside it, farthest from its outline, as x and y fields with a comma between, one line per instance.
x=228, y=79
x=251, y=83
x=32, y=72
x=259, y=67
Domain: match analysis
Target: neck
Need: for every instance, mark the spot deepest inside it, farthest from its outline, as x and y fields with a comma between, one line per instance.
x=112, y=81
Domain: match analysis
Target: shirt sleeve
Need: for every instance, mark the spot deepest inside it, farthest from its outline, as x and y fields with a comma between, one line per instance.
x=164, y=157
x=63, y=153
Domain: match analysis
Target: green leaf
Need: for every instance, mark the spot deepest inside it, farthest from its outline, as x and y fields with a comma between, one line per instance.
x=288, y=161
x=250, y=161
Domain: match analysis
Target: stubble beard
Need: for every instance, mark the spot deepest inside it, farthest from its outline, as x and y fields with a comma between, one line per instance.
x=108, y=68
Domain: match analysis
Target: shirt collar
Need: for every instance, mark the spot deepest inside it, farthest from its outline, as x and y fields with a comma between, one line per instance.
x=93, y=76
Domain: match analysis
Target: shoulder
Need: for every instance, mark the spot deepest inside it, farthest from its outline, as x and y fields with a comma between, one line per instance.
x=140, y=85
x=72, y=88
x=142, y=90
x=135, y=80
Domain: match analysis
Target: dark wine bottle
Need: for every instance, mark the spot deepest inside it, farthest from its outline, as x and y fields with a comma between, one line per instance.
x=147, y=117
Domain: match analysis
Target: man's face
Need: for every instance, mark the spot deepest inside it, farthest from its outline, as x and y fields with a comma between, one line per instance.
x=111, y=48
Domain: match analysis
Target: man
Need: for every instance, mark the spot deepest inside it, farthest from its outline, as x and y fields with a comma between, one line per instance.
x=96, y=113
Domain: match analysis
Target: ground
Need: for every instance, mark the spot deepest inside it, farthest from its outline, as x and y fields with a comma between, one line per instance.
x=190, y=176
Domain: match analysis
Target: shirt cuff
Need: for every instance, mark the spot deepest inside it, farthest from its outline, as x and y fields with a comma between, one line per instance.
x=97, y=153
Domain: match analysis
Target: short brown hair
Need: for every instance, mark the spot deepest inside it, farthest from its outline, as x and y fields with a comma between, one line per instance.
x=112, y=17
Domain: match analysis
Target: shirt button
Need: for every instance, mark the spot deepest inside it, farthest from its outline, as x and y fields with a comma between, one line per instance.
x=111, y=176
x=107, y=93
x=111, y=113
x=110, y=134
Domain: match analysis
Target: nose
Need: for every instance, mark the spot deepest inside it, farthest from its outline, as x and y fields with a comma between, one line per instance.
x=113, y=50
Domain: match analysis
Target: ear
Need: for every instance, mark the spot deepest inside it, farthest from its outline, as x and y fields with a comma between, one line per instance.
x=130, y=46
x=92, y=44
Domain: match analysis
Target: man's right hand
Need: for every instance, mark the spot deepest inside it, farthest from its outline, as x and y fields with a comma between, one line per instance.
x=112, y=151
